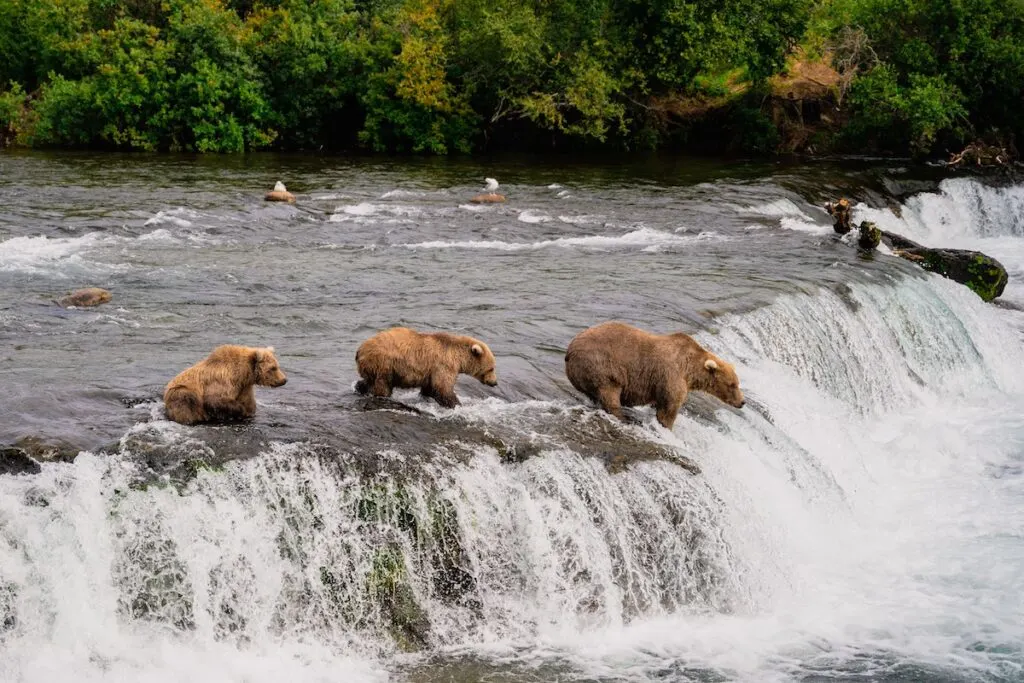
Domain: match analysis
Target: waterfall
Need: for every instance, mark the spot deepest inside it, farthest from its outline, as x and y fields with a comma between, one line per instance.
x=864, y=509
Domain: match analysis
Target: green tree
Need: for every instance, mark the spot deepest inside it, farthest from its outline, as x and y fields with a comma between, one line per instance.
x=309, y=56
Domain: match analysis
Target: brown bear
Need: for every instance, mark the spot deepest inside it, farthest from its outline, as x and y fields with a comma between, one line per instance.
x=619, y=365
x=220, y=387
x=400, y=358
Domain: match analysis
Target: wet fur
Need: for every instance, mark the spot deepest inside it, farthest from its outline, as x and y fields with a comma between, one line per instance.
x=221, y=387
x=618, y=365
x=400, y=358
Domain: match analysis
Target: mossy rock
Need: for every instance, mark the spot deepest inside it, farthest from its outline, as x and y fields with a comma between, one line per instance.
x=388, y=585
x=983, y=274
x=870, y=235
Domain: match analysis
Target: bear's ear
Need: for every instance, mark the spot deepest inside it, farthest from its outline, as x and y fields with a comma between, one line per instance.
x=710, y=365
x=477, y=350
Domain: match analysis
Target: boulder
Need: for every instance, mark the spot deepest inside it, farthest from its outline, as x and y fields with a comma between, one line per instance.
x=82, y=298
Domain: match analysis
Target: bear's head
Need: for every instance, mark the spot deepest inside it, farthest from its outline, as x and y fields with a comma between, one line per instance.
x=268, y=372
x=720, y=380
x=482, y=364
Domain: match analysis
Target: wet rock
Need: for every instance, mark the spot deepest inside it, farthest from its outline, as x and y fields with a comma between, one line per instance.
x=47, y=450
x=279, y=194
x=488, y=198
x=840, y=212
x=985, y=276
x=870, y=235
x=83, y=298
x=17, y=461
x=388, y=586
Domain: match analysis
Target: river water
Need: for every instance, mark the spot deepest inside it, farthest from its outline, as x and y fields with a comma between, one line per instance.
x=859, y=520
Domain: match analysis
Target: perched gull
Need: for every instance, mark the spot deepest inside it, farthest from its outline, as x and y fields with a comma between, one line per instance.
x=489, y=195
x=279, y=187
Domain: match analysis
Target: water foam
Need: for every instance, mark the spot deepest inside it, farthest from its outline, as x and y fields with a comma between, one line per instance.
x=531, y=216
x=181, y=217
x=641, y=237
x=49, y=255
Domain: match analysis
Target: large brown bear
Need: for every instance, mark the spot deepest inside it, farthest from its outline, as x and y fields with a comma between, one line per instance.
x=400, y=358
x=619, y=365
x=220, y=387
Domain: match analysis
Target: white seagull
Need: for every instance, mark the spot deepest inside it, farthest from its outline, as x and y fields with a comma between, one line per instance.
x=491, y=184
x=279, y=187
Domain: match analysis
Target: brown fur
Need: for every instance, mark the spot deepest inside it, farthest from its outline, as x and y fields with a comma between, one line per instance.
x=400, y=358
x=220, y=387
x=619, y=365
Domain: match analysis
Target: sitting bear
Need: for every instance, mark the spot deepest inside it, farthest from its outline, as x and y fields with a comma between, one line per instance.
x=220, y=387
x=619, y=365
x=405, y=359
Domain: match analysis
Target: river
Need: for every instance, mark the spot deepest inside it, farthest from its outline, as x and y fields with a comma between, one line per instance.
x=861, y=519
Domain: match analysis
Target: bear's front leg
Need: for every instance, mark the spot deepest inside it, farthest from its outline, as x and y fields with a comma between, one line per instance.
x=610, y=400
x=441, y=386
x=225, y=403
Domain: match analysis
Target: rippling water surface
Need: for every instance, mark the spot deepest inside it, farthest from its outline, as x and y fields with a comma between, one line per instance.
x=860, y=520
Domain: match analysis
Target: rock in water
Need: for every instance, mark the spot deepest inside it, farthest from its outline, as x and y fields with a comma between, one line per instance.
x=82, y=298
x=870, y=235
x=840, y=212
x=488, y=198
x=983, y=274
x=280, y=194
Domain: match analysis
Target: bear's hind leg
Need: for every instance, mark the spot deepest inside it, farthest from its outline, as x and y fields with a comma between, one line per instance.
x=362, y=387
x=609, y=399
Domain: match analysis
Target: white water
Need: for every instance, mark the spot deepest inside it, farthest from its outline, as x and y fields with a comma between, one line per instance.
x=641, y=237
x=873, y=520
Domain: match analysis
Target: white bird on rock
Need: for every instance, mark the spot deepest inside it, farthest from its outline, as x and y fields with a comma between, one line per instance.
x=489, y=195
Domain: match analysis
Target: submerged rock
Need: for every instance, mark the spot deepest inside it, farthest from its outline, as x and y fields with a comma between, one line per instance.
x=83, y=298
x=983, y=274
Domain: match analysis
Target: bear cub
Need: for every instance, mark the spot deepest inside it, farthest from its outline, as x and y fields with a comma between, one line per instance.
x=619, y=365
x=400, y=358
x=220, y=387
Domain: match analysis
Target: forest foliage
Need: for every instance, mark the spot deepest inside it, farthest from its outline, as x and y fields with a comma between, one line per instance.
x=443, y=76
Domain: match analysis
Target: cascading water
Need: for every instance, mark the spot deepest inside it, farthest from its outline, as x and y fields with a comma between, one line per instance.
x=859, y=520
x=822, y=522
